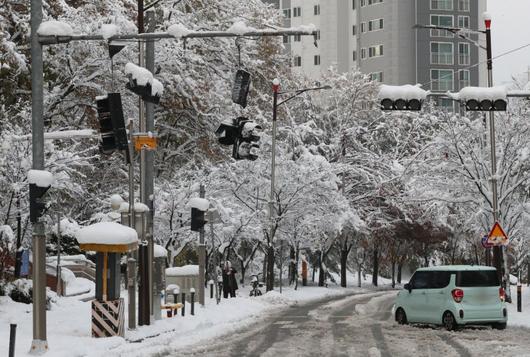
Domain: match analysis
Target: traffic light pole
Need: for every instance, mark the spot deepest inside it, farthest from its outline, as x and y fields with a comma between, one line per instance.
x=270, y=248
x=202, y=257
x=39, y=343
x=499, y=255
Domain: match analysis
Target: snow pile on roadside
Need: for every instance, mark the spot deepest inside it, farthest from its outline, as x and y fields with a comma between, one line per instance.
x=275, y=298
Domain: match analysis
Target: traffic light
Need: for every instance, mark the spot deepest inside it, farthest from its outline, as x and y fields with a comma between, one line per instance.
x=142, y=82
x=241, y=88
x=37, y=204
x=247, y=141
x=406, y=97
x=485, y=105
x=197, y=219
x=485, y=99
x=111, y=123
x=227, y=132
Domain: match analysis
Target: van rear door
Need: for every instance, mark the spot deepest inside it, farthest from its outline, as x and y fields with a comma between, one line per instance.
x=481, y=292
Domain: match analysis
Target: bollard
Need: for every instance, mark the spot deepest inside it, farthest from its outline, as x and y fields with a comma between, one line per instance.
x=183, y=304
x=12, y=336
x=192, y=291
x=519, y=297
x=211, y=288
x=176, y=292
x=169, y=313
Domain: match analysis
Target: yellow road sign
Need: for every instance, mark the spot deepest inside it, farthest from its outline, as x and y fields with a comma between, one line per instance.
x=147, y=142
x=497, y=236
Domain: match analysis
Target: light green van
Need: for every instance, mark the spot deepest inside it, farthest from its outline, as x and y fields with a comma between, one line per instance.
x=453, y=295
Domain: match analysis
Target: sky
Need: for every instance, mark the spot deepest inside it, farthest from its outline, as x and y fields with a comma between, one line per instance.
x=510, y=29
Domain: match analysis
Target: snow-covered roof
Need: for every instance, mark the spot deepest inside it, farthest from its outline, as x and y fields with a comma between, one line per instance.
x=480, y=93
x=178, y=30
x=183, y=271
x=159, y=251
x=201, y=204
x=55, y=28
x=406, y=92
x=143, y=76
x=41, y=178
x=106, y=233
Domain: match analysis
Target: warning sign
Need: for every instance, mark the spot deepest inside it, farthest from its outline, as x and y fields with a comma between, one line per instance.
x=497, y=236
x=147, y=142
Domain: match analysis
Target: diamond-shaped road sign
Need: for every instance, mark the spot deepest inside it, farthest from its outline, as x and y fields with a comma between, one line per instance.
x=497, y=236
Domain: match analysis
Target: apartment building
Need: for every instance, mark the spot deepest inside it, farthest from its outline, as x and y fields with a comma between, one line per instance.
x=378, y=38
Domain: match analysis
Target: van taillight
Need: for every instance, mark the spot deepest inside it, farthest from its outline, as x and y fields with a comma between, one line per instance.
x=458, y=294
x=502, y=294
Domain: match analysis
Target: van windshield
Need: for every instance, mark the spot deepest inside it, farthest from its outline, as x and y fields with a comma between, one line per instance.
x=473, y=278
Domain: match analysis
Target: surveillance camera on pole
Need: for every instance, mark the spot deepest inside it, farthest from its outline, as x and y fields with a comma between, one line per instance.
x=482, y=99
x=406, y=97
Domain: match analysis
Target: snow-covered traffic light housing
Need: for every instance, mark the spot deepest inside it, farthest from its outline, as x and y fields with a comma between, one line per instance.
x=243, y=134
x=39, y=183
x=482, y=99
x=199, y=206
x=142, y=82
x=406, y=97
x=111, y=123
x=246, y=146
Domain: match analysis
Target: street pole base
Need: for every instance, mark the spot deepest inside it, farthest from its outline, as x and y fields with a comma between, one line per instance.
x=38, y=347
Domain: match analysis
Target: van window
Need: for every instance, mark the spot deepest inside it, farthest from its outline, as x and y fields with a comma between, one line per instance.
x=440, y=279
x=420, y=280
x=473, y=278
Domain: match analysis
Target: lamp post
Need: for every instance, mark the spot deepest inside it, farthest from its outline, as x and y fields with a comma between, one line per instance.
x=276, y=92
x=499, y=255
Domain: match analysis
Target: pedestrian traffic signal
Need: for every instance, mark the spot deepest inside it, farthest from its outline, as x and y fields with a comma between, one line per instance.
x=247, y=140
x=111, y=123
x=241, y=88
x=197, y=219
x=37, y=204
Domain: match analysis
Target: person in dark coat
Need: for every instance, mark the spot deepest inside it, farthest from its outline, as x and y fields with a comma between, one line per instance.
x=229, y=280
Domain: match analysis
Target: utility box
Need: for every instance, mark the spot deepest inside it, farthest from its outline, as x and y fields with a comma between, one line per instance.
x=186, y=277
x=113, y=276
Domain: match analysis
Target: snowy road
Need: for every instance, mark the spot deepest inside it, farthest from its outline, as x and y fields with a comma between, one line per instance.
x=358, y=325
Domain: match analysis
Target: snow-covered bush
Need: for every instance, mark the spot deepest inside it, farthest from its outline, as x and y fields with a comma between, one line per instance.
x=21, y=290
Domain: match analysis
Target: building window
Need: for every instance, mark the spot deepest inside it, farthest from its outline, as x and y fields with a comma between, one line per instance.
x=442, y=53
x=442, y=5
x=286, y=39
x=287, y=13
x=354, y=56
x=463, y=54
x=463, y=5
x=316, y=60
x=297, y=38
x=363, y=53
x=375, y=51
x=363, y=27
x=375, y=25
x=463, y=78
x=372, y=2
x=318, y=34
x=441, y=80
x=463, y=22
x=317, y=9
x=353, y=4
x=441, y=20
x=297, y=11
x=376, y=76
x=297, y=61
x=363, y=3
x=354, y=30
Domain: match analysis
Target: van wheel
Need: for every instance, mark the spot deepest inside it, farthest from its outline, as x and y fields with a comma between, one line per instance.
x=448, y=321
x=499, y=326
x=401, y=316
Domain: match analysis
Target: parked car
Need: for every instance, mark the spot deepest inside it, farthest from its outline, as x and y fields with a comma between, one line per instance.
x=453, y=295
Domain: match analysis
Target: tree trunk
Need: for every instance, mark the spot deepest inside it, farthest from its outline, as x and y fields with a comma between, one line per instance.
x=343, y=262
x=375, y=264
x=321, y=275
x=297, y=256
x=264, y=275
x=314, y=271
x=359, y=282
x=270, y=268
x=400, y=266
x=243, y=269
x=292, y=265
x=393, y=274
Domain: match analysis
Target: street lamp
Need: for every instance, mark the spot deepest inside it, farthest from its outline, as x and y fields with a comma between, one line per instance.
x=276, y=92
x=499, y=255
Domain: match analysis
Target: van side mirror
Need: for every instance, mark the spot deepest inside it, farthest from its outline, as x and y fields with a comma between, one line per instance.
x=408, y=287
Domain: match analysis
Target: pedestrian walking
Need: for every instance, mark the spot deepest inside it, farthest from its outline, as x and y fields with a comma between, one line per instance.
x=229, y=280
